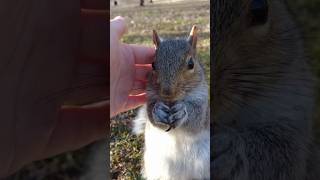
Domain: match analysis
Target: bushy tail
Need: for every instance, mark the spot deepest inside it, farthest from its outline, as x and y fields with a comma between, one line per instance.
x=139, y=123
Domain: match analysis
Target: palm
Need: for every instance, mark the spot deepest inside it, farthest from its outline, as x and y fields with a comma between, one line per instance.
x=129, y=67
x=127, y=76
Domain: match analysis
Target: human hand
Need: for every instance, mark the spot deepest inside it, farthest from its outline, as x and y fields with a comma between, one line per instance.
x=51, y=54
x=129, y=65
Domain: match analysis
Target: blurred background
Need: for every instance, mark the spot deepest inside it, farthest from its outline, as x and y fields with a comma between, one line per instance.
x=171, y=18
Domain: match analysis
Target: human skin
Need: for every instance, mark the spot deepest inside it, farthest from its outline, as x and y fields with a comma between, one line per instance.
x=54, y=53
x=51, y=53
x=129, y=67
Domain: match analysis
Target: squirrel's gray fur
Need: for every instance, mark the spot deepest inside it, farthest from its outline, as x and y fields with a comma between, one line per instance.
x=263, y=96
x=176, y=95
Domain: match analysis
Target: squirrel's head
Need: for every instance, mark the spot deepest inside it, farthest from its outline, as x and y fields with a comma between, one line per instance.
x=255, y=42
x=176, y=69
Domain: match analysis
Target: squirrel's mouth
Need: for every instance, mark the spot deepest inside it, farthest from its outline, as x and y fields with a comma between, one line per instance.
x=169, y=103
x=171, y=99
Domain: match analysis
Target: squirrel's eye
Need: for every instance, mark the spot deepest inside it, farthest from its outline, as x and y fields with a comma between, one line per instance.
x=259, y=12
x=153, y=66
x=190, y=63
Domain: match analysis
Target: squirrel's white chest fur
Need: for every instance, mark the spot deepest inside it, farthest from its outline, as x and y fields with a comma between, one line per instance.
x=174, y=154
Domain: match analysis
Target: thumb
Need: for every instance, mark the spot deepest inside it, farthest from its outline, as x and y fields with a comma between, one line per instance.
x=118, y=27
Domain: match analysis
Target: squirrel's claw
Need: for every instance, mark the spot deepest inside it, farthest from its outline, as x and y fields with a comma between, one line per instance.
x=166, y=118
x=178, y=115
x=160, y=114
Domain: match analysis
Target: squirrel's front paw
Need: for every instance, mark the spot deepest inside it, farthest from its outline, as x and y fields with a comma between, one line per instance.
x=160, y=114
x=178, y=115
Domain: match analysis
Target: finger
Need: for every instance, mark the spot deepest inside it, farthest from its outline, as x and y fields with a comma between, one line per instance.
x=139, y=87
x=142, y=54
x=136, y=92
x=78, y=127
x=94, y=4
x=94, y=38
x=142, y=72
x=135, y=101
x=117, y=27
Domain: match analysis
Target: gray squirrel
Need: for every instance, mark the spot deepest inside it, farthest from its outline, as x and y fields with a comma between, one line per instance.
x=262, y=94
x=175, y=120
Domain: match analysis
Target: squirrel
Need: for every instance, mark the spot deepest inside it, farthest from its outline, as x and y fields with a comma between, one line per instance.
x=175, y=119
x=262, y=96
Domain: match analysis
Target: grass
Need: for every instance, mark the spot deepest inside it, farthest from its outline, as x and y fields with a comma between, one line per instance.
x=170, y=20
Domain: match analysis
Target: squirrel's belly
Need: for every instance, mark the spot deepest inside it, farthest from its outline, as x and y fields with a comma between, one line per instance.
x=172, y=156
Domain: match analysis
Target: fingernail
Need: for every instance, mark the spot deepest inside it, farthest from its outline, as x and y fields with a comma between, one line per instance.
x=118, y=17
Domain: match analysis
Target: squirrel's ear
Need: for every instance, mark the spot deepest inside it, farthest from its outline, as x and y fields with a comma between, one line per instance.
x=192, y=39
x=156, y=39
